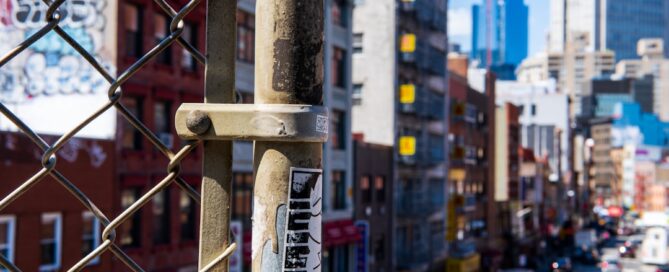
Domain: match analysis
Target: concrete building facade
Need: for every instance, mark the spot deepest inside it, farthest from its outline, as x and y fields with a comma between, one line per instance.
x=572, y=69
x=400, y=87
x=652, y=63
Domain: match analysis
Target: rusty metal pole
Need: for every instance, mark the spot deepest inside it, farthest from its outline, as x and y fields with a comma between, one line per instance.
x=217, y=166
x=288, y=70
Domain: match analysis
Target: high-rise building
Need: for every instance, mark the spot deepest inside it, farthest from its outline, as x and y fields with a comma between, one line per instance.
x=614, y=25
x=400, y=89
x=572, y=69
x=605, y=92
x=499, y=32
x=655, y=65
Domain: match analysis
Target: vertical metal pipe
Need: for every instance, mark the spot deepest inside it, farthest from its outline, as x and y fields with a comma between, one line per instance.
x=288, y=70
x=217, y=167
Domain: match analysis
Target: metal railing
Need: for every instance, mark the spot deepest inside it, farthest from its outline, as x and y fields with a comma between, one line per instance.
x=49, y=159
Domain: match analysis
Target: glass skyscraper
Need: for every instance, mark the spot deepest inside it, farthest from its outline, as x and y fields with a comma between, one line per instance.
x=615, y=25
x=502, y=26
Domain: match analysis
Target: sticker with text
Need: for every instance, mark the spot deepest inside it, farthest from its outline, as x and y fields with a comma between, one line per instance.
x=302, y=247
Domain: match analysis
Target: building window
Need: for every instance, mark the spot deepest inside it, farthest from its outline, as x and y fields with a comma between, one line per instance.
x=357, y=94
x=7, y=235
x=161, y=217
x=357, y=43
x=534, y=109
x=380, y=249
x=161, y=27
x=187, y=217
x=339, y=67
x=189, y=34
x=162, y=112
x=50, y=242
x=366, y=189
x=133, y=15
x=245, y=36
x=243, y=195
x=131, y=137
x=90, y=236
x=338, y=190
x=380, y=186
x=338, y=137
x=131, y=229
x=339, y=14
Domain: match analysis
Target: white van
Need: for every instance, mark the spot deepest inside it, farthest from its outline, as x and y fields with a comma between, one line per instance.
x=654, y=247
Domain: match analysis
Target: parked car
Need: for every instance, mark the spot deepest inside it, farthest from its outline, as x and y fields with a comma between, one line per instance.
x=627, y=250
x=562, y=264
x=610, y=264
x=586, y=255
x=662, y=268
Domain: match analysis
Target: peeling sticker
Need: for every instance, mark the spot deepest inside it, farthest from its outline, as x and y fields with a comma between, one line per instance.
x=302, y=247
x=322, y=123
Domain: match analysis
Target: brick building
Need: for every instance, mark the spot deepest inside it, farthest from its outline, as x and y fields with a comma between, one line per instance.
x=47, y=228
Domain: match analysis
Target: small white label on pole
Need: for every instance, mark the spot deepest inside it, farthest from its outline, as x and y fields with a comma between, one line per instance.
x=302, y=247
x=322, y=123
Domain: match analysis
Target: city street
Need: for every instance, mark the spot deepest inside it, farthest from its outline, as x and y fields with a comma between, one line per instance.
x=627, y=264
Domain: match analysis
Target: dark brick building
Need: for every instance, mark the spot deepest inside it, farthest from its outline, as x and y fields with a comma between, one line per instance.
x=47, y=228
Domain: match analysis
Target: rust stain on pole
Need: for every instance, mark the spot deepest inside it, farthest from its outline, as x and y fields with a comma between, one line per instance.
x=289, y=52
x=288, y=70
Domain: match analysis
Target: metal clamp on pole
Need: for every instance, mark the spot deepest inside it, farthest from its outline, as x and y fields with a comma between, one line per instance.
x=253, y=122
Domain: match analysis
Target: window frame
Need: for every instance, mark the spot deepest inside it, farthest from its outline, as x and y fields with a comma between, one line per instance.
x=138, y=46
x=358, y=43
x=339, y=67
x=137, y=136
x=193, y=29
x=338, y=126
x=58, y=240
x=136, y=220
x=164, y=220
x=164, y=57
x=96, y=234
x=10, y=220
x=246, y=30
x=339, y=193
x=380, y=191
x=190, y=235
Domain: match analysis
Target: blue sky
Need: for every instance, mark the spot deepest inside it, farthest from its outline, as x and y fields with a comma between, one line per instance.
x=460, y=25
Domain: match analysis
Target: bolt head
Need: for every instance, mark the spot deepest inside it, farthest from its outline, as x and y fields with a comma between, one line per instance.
x=198, y=122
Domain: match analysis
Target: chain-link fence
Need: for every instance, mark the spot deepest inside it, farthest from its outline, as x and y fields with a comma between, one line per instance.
x=49, y=158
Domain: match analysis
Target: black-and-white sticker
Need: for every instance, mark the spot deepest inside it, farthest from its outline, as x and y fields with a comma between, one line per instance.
x=322, y=123
x=302, y=247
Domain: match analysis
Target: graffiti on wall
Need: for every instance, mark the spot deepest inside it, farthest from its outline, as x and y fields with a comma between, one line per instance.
x=51, y=66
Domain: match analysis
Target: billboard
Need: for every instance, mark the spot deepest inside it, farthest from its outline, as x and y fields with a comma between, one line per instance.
x=49, y=85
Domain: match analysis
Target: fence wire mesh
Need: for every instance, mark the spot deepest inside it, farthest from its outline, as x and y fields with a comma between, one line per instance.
x=49, y=158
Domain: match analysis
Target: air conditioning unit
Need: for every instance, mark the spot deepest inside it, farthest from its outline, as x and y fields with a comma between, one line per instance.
x=167, y=139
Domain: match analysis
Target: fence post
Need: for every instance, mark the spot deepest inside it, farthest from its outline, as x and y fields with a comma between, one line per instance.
x=217, y=166
x=288, y=70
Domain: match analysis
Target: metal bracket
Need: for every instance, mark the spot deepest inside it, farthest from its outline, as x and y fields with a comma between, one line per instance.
x=252, y=122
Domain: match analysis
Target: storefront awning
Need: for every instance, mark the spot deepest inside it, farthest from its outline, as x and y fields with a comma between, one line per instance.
x=342, y=232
